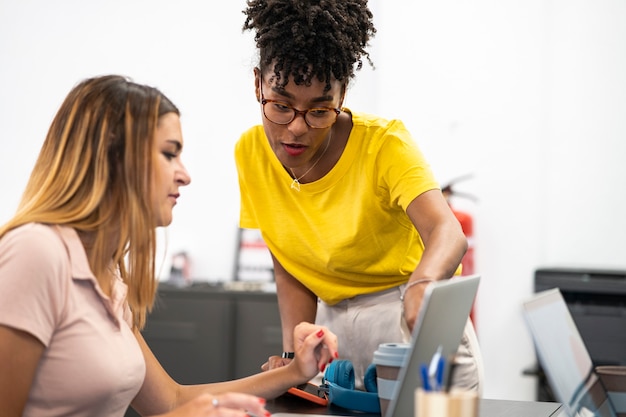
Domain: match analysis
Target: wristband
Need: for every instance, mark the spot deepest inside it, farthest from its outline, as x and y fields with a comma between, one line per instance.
x=411, y=284
x=288, y=355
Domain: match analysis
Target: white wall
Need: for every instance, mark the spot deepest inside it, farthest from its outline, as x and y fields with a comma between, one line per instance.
x=528, y=96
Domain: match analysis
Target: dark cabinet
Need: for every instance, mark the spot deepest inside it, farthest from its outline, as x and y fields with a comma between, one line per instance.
x=205, y=333
x=190, y=334
x=257, y=332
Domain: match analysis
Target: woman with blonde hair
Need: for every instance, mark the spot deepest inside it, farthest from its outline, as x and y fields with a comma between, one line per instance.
x=77, y=270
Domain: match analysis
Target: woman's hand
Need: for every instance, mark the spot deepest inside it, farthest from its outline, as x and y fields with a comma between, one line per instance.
x=223, y=405
x=314, y=347
x=275, y=362
x=412, y=302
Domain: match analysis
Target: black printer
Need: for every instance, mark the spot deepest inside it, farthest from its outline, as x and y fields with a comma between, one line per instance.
x=596, y=298
x=597, y=301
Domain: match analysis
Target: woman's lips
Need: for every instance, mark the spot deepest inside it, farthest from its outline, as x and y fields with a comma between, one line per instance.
x=173, y=198
x=294, y=149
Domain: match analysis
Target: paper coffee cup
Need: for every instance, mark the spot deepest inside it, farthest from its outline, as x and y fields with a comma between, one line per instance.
x=614, y=380
x=388, y=359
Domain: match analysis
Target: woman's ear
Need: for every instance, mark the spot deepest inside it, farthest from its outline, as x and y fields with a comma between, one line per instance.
x=257, y=84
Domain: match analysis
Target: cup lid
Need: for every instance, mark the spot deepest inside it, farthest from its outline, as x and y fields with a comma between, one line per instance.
x=391, y=354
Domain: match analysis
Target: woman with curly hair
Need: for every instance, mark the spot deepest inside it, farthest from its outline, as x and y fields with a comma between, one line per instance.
x=355, y=221
x=77, y=270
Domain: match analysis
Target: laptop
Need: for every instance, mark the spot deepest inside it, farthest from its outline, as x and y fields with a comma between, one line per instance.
x=443, y=314
x=564, y=357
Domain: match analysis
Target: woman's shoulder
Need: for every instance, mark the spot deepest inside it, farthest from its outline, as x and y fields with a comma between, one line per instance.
x=34, y=267
x=361, y=120
x=249, y=141
x=38, y=242
x=32, y=233
x=375, y=133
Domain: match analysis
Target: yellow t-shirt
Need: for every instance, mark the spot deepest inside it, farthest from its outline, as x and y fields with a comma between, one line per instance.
x=348, y=233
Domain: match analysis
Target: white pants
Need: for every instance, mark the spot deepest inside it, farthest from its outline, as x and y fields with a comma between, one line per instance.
x=362, y=323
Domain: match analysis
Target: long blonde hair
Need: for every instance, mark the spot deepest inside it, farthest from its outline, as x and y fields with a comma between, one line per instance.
x=93, y=174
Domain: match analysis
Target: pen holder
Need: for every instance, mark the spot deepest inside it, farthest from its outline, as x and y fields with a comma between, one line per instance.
x=446, y=404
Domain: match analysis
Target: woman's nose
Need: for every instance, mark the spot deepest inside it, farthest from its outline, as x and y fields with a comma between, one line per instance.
x=298, y=125
x=183, y=177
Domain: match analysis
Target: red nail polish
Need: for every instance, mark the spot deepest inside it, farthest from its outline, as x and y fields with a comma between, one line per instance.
x=336, y=354
x=268, y=414
x=330, y=361
x=322, y=367
x=320, y=333
x=262, y=401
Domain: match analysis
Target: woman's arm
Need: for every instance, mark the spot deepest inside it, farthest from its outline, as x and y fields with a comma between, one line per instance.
x=20, y=353
x=444, y=243
x=296, y=304
x=315, y=346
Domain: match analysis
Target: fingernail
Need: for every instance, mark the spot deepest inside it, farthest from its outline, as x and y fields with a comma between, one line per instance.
x=322, y=367
x=330, y=360
x=336, y=354
x=320, y=333
x=268, y=414
x=262, y=401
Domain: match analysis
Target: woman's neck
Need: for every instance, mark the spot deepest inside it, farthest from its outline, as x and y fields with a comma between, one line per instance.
x=105, y=254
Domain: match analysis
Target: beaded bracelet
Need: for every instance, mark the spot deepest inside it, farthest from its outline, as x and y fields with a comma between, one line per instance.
x=412, y=284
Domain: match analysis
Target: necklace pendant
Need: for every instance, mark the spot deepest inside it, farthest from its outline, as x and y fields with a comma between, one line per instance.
x=295, y=184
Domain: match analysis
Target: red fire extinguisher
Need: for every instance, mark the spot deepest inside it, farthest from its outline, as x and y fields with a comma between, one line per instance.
x=467, y=225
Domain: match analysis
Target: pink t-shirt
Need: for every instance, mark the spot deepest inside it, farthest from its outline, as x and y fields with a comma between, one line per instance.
x=92, y=364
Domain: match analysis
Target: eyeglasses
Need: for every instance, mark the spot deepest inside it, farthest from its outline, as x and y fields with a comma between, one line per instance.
x=282, y=113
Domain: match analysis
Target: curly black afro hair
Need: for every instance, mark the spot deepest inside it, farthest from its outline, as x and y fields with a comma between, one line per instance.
x=310, y=38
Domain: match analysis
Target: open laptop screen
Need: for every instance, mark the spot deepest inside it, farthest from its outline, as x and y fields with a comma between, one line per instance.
x=443, y=316
x=564, y=356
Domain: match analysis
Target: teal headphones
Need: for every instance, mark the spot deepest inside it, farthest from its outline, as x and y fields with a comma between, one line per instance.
x=338, y=381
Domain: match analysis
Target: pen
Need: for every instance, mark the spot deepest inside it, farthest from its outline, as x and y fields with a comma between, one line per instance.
x=440, y=367
x=424, y=371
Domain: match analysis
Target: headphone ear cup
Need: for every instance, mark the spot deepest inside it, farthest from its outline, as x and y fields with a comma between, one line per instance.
x=341, y=373
x=339, y=378
x=369, y=379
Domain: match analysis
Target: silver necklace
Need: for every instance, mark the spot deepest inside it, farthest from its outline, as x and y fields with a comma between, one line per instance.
x=295, y=184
